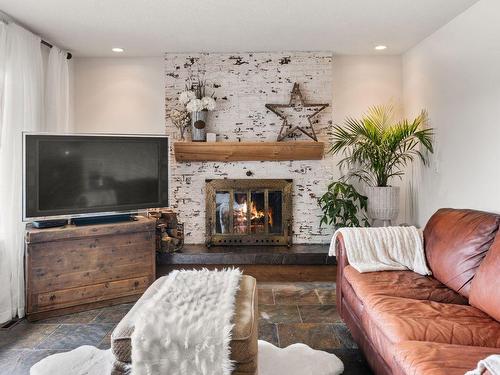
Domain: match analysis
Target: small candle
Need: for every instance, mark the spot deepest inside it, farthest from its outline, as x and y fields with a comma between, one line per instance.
x=211, y=137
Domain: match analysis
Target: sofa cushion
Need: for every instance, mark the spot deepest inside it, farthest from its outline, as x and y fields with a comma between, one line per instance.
x=485, y=289
x=244, y=334
x=456, y=242
x=406, y=284
x=419, y=358
x=403, y=319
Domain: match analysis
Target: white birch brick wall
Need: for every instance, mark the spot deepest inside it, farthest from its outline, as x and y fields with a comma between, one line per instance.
x=244, y=83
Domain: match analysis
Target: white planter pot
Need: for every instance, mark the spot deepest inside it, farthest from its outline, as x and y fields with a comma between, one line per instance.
x=383, y=203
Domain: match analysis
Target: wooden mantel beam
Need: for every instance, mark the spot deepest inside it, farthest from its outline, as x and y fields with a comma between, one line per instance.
x=248, y=151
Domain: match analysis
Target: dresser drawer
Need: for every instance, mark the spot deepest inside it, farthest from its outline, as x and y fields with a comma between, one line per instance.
x=91, y=293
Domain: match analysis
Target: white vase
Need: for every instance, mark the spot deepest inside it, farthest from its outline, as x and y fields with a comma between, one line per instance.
x=383, y=203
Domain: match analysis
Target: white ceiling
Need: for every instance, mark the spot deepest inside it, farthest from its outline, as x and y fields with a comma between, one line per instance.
x=151, y=27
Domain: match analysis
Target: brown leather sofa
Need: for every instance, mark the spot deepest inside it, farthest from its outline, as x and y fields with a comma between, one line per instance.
x=243, y=340
x=442, y=324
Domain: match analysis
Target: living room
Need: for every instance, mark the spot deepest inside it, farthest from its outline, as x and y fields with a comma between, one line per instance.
x=230, y=187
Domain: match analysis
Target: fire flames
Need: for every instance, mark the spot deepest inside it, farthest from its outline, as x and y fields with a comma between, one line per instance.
x=256, y=216
x=259, y=214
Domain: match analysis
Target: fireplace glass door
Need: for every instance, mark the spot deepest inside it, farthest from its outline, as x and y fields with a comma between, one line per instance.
x=248, y=211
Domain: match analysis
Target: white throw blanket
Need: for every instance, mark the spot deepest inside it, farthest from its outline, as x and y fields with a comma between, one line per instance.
x=491, y=363
x=185, y=329
x=383, y=249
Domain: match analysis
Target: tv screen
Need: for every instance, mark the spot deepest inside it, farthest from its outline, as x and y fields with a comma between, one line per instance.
x=78, y=174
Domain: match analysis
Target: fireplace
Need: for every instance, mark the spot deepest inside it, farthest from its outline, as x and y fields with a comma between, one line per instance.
x=248, y=212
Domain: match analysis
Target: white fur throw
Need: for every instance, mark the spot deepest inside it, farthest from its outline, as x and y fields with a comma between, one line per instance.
x=185, y=329
x=383, y=249
x=491, y=363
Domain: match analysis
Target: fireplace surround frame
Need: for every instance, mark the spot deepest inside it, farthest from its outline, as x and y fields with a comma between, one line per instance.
x=285, y=186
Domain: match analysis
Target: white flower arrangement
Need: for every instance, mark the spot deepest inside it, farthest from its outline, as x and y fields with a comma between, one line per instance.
x=181, y=120
x=208, y=103
x=194, y=105
x=194, y=98
x=186, y=96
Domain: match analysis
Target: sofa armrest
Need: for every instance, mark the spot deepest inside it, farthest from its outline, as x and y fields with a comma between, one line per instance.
x=342, y=262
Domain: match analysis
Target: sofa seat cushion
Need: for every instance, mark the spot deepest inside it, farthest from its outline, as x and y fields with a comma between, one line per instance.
x=244, y=334
x=419, y=358
x=403, y=319
x=406, y=284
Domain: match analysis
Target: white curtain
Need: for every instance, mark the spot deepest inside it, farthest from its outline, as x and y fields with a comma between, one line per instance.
x=3, y=53
x=57, y=92
x=5, y=300
x=22, y=101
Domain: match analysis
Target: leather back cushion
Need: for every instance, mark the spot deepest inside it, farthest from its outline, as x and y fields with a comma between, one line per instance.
x=456, y=241
x=485, y=288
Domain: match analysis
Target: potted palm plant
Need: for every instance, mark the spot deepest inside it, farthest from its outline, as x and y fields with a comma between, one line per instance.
x=377, y=148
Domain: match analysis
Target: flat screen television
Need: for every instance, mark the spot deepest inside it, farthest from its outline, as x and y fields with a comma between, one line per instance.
x=84, y=175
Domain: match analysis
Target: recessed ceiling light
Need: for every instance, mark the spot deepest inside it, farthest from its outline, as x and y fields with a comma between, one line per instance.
x=380, y=48
x=117, y=49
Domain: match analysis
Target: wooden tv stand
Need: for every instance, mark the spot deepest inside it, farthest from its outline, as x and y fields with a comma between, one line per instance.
x=72, y=268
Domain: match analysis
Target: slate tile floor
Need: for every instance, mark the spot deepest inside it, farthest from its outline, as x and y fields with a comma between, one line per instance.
x=288, y=313
x=307, y=313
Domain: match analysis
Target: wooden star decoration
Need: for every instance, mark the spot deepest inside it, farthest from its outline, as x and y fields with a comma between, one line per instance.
x=296, y=115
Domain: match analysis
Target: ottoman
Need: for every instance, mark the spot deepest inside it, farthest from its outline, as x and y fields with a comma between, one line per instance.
x=244, y=334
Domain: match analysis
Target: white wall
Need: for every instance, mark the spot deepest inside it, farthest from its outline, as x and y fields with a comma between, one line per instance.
x=121, y=95
x=127, y=94
x=360, y=82
x=363, y=81
x=455, y=75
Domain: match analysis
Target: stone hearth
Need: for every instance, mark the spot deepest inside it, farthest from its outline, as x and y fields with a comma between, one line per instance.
x=249, y=255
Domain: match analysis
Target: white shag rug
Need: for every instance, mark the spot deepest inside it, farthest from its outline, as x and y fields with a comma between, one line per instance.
x=296, y=359
x=85, y=360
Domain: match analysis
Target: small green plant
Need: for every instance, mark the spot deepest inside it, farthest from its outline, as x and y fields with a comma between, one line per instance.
x=343, y=206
